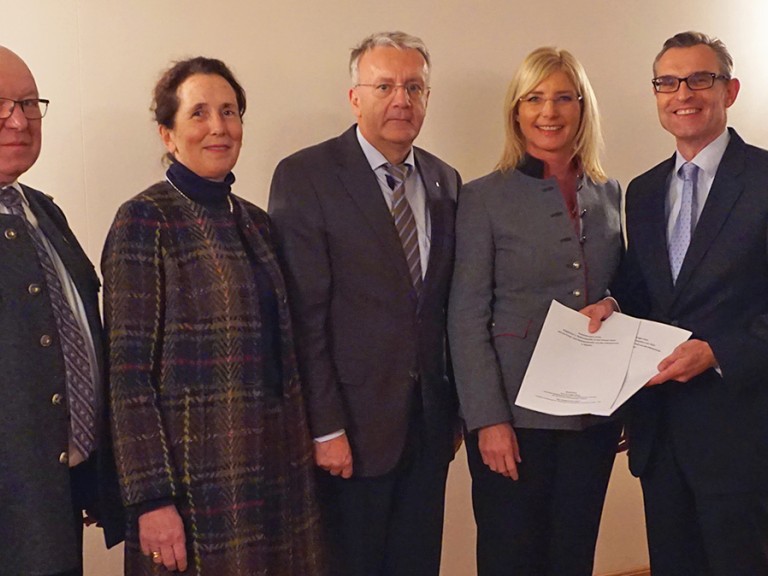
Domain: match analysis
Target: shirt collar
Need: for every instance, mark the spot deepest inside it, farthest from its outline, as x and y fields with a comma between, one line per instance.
x=375, y=158
x=708, y=159
x=16, y=186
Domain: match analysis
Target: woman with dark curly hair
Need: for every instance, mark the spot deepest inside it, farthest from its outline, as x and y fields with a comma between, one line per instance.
x=211, y=439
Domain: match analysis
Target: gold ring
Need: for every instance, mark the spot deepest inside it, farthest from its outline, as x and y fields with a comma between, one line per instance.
x=156, y=555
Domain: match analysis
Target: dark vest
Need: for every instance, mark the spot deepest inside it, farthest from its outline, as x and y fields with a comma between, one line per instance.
x=35, y=499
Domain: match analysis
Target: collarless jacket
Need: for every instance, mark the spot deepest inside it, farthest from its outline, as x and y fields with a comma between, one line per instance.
x=35, y=492
x=517, y=250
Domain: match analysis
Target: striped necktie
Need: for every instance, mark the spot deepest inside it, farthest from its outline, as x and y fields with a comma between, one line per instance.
x=77, y=365
x=680, y=237
x=405, y=223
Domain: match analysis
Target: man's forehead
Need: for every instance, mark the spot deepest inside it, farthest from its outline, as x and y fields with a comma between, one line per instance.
x=700, y=57
x=14, y=74
x=388, y=60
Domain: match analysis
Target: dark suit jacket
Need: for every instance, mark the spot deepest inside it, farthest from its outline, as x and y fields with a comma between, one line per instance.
x=36, y=523
x=366, y=346
x=718, y=426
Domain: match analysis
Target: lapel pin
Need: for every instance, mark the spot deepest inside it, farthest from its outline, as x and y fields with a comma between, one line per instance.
x=437, y=184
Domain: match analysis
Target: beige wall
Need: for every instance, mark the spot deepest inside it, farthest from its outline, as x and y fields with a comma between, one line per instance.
x=97, y=61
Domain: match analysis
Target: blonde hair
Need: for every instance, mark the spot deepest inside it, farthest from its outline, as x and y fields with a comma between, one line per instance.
x=536, y=67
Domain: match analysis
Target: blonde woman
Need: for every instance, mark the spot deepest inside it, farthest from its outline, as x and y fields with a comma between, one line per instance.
x=544, y=225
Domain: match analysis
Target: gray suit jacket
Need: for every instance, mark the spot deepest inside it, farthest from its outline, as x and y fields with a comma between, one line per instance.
x=516, y=251
x=366, y=345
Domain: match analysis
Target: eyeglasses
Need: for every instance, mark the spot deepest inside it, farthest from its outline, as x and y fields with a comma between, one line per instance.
x=538, y=101
x=695, y=81
x=32, y=108
x=384, y=90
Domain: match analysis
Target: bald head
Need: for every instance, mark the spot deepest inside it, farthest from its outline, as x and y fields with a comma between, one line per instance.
x=20, y=138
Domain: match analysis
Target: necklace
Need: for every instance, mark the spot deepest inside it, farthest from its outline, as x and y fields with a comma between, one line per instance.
x=229, y=198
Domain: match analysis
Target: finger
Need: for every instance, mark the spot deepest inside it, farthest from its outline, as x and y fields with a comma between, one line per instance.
x=499, y=466
x=516, y=453
x=168, y=558
x=180, y=551
x=666, y=363
x=511, y=465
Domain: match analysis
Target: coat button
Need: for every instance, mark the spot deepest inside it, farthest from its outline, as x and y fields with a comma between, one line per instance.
x=414, y=375
x=10, y=234
x=45, y=340
x=576, y=293
x=34, y=289
x=57, y=399
x=576, y=265
x=63, y=458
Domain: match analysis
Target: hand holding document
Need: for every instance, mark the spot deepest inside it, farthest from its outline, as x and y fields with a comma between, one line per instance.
x=573, y=372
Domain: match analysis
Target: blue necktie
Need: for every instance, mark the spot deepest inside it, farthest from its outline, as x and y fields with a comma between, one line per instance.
x=683, y=228
x=77, y=366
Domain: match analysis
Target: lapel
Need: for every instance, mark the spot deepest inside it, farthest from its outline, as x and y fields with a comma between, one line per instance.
x=363, y=188
x=726, y=189
x=438, y=214
x=649, y=231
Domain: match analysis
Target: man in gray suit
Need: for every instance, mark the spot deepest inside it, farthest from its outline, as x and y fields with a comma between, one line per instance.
x=698, y=258
x=364, y=224
x=55, y=453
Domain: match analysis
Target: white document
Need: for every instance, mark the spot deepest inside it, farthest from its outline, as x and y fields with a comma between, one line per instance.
x=654, y=342
x=573, y=372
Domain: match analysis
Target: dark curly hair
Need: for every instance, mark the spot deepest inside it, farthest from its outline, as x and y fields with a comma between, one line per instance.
x=165, y=101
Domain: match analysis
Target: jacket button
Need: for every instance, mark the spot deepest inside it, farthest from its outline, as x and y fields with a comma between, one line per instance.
x=414, y=375
x=63, y=458
x=576, y=293
x=45, y=340
x=576, y=265
x=57, y=399
x=10, y=234
x=34, y=289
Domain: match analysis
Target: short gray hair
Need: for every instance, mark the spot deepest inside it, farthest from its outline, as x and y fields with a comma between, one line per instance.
x=690, y=39
x=399, y=40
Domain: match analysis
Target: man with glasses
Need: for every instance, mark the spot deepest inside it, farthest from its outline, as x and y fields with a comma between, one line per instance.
x=364, y=223
x=697, y=226
x=55, y=461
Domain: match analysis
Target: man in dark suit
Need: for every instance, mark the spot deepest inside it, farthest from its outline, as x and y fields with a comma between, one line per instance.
x=697, y=258
x=365, y=227
x=55, y=459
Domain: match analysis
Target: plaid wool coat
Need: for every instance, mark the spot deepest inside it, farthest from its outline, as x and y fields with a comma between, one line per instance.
x=193, y=420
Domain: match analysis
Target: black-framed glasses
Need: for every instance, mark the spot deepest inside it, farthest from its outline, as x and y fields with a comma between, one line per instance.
x=382, y=90
x=32, y=108
x=695, y=81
